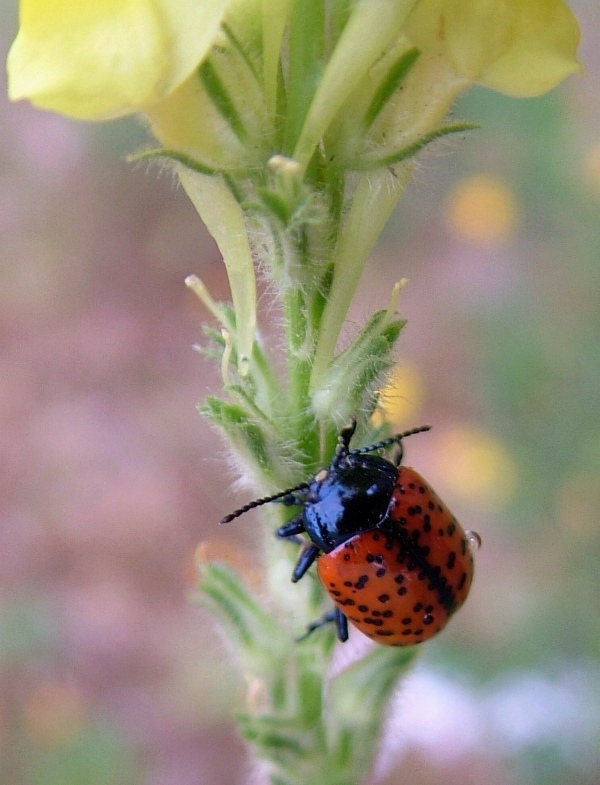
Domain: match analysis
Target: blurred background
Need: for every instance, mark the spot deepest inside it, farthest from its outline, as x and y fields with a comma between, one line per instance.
x=109, y=478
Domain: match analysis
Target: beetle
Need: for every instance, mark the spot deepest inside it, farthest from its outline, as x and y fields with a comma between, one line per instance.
x=390, y=554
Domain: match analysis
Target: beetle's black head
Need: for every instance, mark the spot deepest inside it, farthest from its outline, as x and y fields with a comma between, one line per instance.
x=352, y=495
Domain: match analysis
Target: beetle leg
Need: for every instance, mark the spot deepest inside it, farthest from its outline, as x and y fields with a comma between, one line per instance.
x=315, y=625
x=306, y=558
x=290, y=529
x=334, y=616
x=341, y=625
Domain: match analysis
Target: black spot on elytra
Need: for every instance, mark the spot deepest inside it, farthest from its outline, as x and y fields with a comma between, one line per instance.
x=360, y=583
x=370, y=558
x=348, y=601
x=363, y=608
x=451, y=560
x=417, y=557
x=402, y=591
x=418, y=607
x=451, y=529
x=346, y=557
x=406, y=632
x=399, y=579
x=387, y=614
x=374, y=622
x=406, y=620
x=381, y=572
x=431, y=505
x=428, y=618
x=384, y=598
x=384, y=633
x=462, y=581
x=348, y=584
x=335, y=593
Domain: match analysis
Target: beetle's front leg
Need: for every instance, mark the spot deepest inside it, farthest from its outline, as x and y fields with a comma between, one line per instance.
x=290, y=531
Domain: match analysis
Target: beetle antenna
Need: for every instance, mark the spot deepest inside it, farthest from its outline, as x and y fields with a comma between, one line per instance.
x=259, y=502
x=392, y=440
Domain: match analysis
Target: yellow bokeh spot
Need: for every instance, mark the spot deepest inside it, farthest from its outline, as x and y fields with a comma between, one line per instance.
x=54, y=714
x=401, y=399
x=476, y=466
x=483, y=211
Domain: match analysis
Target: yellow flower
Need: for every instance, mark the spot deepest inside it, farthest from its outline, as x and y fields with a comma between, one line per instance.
x=96, y=60
x=518, y=47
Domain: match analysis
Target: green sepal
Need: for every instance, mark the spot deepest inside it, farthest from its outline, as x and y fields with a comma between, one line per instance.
x=241, y=51
x=172, y=155
x=357, y=702
x=350, y=380
x=221, y=98
x=273, y=204
x=277, y=737
x=396, y=74
x=258, y=640
x=246, y=435
x=381, y=161
x=259, y=443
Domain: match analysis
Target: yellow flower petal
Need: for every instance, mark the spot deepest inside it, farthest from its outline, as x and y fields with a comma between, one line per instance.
x=518, y=47
x=95, y=60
